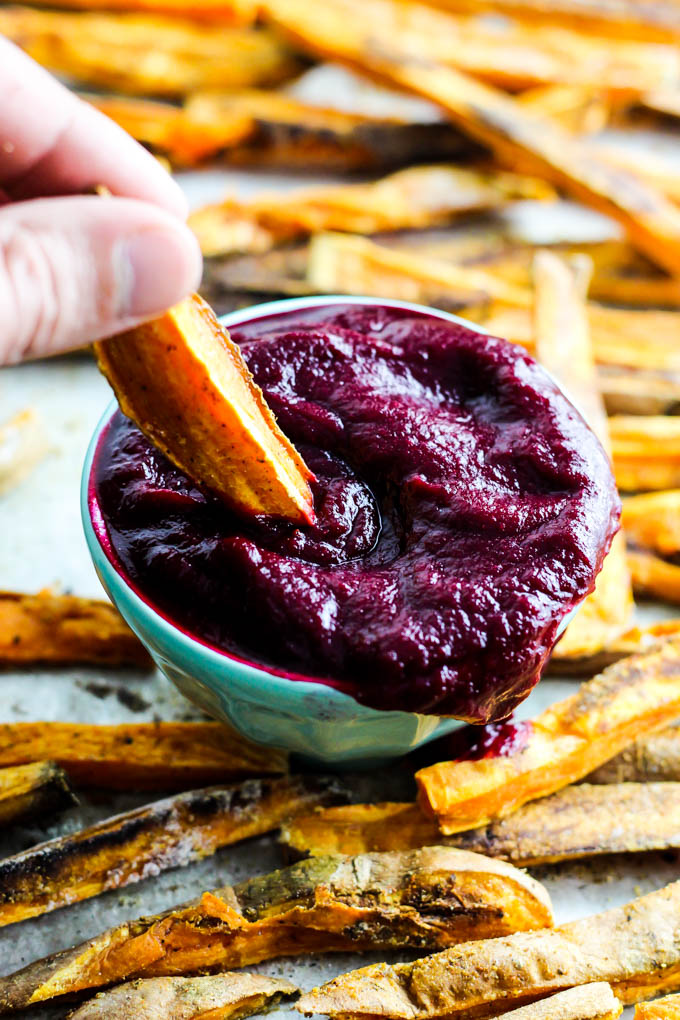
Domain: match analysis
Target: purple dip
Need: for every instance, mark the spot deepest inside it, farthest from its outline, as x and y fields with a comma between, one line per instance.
x=463, y=508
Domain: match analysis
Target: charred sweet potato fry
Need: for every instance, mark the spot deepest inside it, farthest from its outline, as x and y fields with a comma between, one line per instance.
x=108, y=50
x=646, y=451
x=140, y=756
x=184, y=382
x=168, y=834
x=667, y=1008
x=563, y=345
x=23, y=444
x=418, y=197
x=564, y=743
x=345, y=30
x=36, y=790
x=636, y=948
x=49, y=629
x=651, y=759
x=579, y=821
x=637, y=639
x=432, y=897
x=227, y=996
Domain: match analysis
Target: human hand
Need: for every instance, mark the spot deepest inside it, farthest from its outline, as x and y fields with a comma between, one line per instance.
x=75, y=267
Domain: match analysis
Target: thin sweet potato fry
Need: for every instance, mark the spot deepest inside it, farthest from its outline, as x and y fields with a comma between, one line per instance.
x=227, y=996
x=228, y=12
x=23, y=444
x=418, y=197
x=667, y=1008
x=49, y=629
x=344, y=30
x=138, y=844
x=654, y=577
x=637, y=639
x=646, y=451
x=580, y=110
x=140, y=756
x=563, y=345
x=579, y=821
x=589, y=1002
x=343, y=264
x=651, y=759
x=112, y=51
x=625, y=391
x=564, y=743
x=652, y=521
x=183, y=381
x=36, y=790
x=636, y=948
x=431, y=898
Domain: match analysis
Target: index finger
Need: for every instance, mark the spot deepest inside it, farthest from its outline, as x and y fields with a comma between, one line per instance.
x=52, y=143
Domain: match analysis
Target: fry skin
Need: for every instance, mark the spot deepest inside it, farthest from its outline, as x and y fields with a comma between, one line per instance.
x=636, y=948
x=579, y=821
x=564, y=743
x=147, y=841
x=184, y=383
x=54, y=630
x=432, y=897
x=651, y=759
x=140, y=756
x=33, y=791
x=216, y=997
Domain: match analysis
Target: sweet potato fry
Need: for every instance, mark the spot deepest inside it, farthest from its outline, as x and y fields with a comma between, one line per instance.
x=418, y=197
x=227, y=996
x=563, y=345
x=596, y=1001
x=36, y=790
x=49, y=629
x=646, y=451
x=112, y=51
x=637, y=639
x=580, y=110
x=564, y=743
x=340, y=263
x=651, y=759
x=636, y=948
x=432, y=897
x=140, y=756
x=625, y=391
x=344, y=30
x=652, y=521
x=579, y=821
x=228, y=12
x=654, y=577
x=667, y=1008
x=23, y=444
x=138, y=844
x=183, y=381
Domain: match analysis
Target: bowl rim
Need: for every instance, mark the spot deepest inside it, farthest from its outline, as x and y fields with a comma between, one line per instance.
x=297, y=686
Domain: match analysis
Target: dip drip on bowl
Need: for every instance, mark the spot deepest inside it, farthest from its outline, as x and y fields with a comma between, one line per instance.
x=463, y=508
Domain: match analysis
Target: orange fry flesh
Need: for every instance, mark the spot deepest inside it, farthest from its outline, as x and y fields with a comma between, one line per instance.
x=571, y=738
x=184, y=382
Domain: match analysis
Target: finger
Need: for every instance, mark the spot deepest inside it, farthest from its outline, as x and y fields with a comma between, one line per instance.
x=76, y=269
x=55, y=144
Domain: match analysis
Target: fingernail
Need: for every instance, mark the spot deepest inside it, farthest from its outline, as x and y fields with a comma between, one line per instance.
x=156, y=268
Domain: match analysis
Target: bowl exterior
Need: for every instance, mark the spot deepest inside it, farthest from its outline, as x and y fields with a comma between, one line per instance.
x=310, y=719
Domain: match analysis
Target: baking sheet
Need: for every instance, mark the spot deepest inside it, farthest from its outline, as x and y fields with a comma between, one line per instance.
x=41, y=543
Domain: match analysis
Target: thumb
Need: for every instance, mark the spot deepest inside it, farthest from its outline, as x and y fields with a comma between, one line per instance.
x=73, y=270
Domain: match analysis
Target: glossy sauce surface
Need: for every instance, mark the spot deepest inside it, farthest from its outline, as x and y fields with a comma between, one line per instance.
x=463, y=507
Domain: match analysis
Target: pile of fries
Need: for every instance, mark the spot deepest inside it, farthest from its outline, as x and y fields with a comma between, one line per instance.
x=521, y=91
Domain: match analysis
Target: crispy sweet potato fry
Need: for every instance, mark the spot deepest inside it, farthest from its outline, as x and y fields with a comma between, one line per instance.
x=652, y=520
x=344, y=30
x=229, y=12
x=140, y=756
x=183, y=381
x=36, y=790
x=432, y=897
x=564, y=743
x=49, y=629
x=636, y=948
x=138, y=844
x=563, y=345
x=646, y=451
x=340, y=263
x=654, y=577
x=227, y=996
x=596, y=1001
x=581, y=110
x=651, y=759
x=23, y=444
x=625, y=391
x=667, y=1008
x=418, y=197
x=637, y=639
x=579, y=821
x=112, y=51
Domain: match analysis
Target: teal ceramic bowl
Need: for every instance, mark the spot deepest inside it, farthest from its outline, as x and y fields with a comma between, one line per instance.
x=304, y=717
